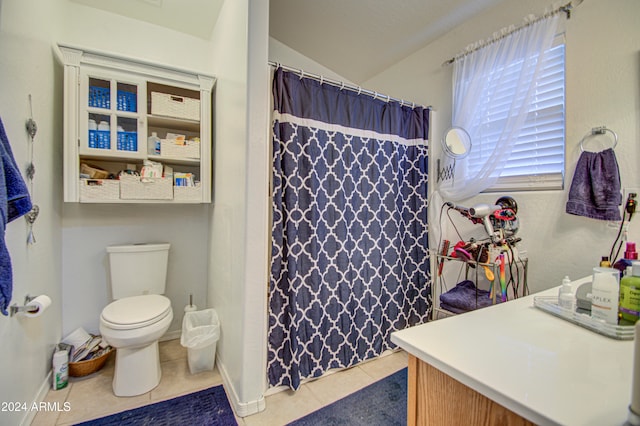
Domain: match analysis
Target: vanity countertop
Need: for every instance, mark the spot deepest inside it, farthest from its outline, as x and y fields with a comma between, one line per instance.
x=541, y=367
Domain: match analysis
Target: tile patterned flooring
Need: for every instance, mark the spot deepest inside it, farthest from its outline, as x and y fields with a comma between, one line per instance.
x=91, y=397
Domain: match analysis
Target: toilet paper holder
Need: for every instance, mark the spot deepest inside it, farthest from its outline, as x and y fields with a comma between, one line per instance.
x=14, y=309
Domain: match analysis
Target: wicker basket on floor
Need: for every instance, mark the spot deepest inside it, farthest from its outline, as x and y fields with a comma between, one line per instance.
x=90, y=366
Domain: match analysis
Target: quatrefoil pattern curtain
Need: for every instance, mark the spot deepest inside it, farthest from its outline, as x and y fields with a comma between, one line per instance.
x=349, y=261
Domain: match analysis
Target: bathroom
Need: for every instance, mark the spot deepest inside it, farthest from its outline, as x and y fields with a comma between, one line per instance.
x=219, y=250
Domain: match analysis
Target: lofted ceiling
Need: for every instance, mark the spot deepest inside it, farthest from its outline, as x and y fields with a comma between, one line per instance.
x=357, y=39
x=360, y=38
x=194, y=17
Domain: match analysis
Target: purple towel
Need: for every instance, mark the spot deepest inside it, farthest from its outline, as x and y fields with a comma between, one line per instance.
x=464, y=297
x=595, y=189
x=14, y=202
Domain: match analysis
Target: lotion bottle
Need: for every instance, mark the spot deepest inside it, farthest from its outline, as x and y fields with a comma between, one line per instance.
x=605, y=290
x=566, y=299
x=60, y=369
x=630, y=294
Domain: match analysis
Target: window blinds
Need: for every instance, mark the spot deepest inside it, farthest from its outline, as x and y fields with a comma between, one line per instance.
x=537, y=160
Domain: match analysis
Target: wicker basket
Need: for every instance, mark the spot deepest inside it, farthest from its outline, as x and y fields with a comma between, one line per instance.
x=137, y=188
x=169, y=148
x=175, y=106
x=90, y=366
x=99, y=189
x=187, y=193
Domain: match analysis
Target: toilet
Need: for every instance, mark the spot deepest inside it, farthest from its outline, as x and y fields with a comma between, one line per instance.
x=138, y=316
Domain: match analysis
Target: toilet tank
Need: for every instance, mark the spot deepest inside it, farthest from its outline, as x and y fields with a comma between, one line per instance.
x=138, y=269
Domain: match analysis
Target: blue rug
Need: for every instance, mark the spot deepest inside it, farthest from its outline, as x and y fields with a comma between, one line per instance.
x=381, y=403
x=206, y=407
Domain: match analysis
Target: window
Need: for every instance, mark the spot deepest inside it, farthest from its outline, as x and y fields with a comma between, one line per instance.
x=537, y=159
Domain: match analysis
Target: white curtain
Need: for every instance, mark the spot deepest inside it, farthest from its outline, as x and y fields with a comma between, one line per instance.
x=479, y=79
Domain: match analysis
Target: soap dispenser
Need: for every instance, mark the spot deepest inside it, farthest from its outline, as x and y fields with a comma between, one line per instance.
x=566, y=299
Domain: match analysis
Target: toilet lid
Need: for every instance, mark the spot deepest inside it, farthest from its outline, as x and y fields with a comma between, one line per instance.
x=137, y=310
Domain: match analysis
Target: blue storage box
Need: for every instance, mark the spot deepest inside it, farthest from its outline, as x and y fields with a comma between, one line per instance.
x=100, y=139
x=127, y=101
x=99, y=97
x=127, y=141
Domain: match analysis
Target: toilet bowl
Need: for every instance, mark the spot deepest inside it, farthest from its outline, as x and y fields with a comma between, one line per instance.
x=133, y=326
x=138, y=316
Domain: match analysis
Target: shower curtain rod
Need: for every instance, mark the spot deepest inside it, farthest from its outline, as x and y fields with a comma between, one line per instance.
x=343, y=85
x=482, y=43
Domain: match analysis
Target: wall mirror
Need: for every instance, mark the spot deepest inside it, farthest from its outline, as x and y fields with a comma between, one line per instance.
x=456, y=142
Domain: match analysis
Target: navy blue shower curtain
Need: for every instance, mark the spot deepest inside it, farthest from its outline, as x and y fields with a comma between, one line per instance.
x=349, y=261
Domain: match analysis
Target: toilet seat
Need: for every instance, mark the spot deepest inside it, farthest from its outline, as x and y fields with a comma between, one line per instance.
x=135, y=311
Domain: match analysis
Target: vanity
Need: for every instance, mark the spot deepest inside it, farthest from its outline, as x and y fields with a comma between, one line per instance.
x=515, y=364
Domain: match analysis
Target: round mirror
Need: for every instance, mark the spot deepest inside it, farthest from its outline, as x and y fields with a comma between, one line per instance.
x=456, y=142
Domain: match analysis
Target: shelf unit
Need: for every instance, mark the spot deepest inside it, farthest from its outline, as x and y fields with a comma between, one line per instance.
x=112, y=104
x=475, y=271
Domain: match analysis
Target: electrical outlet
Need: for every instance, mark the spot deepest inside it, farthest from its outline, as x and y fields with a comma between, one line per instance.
x=625, y=197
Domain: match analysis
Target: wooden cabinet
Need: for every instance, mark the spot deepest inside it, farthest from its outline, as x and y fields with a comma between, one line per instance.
x=434, y=398
x=112, y=106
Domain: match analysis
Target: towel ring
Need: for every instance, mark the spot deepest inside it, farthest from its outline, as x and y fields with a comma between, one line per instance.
x=599, y=131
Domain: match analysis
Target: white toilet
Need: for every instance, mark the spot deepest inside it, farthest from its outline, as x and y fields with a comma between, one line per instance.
x=139, y=315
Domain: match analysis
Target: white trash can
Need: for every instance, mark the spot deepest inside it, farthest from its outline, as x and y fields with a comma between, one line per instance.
x=200, y=332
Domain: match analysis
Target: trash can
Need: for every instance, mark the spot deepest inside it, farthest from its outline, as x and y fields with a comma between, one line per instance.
x=200, y=332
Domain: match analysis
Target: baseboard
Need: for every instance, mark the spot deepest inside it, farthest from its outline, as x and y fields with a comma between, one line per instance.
x=242, y=409
x=171, y=335
x=40, y=396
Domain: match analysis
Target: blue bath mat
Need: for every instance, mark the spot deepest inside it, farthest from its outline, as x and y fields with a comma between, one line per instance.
x=381, y=403
x=206, y=407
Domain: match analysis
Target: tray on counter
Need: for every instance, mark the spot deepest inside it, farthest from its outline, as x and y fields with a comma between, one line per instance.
x=550, y=305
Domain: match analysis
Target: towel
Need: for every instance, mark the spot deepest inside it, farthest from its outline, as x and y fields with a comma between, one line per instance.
x=464, y=297
x=595, y=189
x=14, y=202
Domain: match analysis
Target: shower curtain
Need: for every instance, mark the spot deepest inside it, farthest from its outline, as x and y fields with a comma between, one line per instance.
x=349, y=258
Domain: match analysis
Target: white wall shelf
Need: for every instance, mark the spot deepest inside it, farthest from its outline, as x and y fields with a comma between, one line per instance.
x=108, y=105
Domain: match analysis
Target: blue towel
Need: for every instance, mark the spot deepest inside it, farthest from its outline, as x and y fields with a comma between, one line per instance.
x=14, y=202
x=595, y=189
x=464, y=297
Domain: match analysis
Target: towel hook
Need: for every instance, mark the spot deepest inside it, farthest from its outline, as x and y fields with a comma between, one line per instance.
x=600, y=131
x=32, y=215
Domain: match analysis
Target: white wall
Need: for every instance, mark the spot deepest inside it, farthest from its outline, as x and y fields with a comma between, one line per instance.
x=70, y=263
x=69, y=258
x=238, y=273
x=27, y=68
x=602, y=88
x=284, y=55
x=89, y=228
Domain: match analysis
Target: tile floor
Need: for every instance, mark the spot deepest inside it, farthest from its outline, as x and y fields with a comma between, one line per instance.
x=91, y=397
